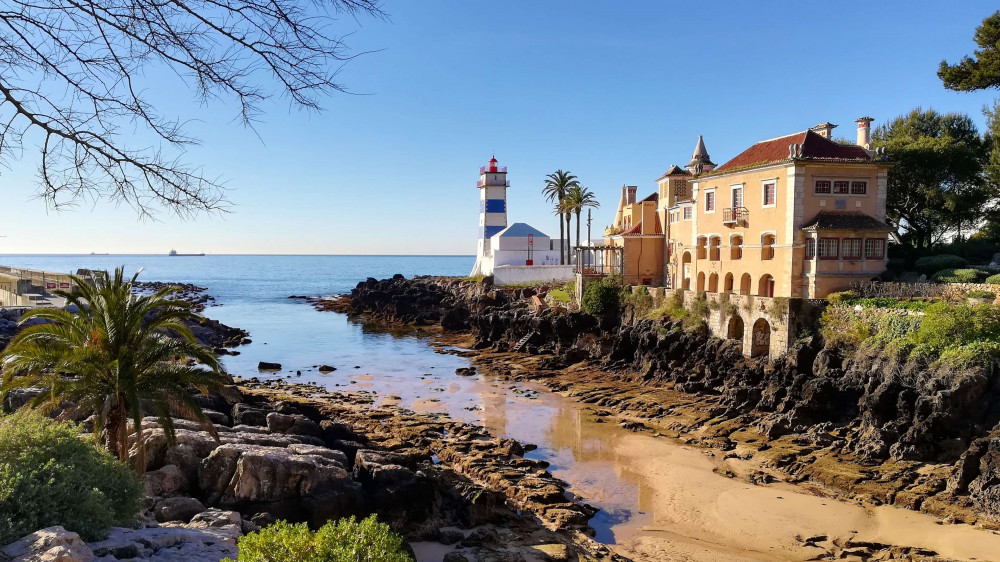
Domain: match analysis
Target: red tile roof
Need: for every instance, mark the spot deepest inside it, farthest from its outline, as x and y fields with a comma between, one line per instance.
x=813, y=147
x=850, y=220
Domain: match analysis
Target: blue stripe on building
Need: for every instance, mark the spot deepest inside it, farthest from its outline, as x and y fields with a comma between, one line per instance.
x=496, y=206
x=491, y=230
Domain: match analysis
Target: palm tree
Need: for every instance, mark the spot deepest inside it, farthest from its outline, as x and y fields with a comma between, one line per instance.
x=557, y=185
x=576, y=199
x=118, y=355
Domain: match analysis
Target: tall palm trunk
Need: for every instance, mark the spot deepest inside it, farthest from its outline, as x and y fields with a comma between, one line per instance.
x=569, y=249
x=562, y=238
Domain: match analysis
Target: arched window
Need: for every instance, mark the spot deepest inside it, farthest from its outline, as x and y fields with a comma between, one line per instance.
x=735, y=247
x=713, y=283
x=702, y=247
x=715, y=243
x=745, y=282
x=701, y=281
x=686, y=270
x=767, y=246
x=766, y=286
x=728, y=285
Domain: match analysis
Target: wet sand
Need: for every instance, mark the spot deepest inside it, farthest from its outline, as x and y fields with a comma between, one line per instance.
x=660, y=499
x=664, y=500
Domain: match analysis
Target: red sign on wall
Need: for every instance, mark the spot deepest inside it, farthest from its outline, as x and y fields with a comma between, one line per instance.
x=51, y=285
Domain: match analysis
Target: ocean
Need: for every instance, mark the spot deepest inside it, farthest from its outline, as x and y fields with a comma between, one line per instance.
x=251, y=292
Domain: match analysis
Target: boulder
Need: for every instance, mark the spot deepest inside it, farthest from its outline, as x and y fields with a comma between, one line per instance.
x=245, y=414
x=54, y=544
x=165, y=481
x=170, y=542
x=18, y=397
x=338, y=456
x=268, y=366
x=241, y=474
x=326, y=369
x=294, y=424
x=180, y=508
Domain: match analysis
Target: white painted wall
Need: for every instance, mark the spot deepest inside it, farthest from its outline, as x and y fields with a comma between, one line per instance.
x=519, y=274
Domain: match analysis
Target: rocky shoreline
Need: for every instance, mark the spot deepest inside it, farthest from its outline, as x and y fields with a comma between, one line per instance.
x=297, y=452
x=858, y=426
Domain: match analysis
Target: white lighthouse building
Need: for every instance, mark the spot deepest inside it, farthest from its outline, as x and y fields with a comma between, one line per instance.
x=515, y=253
x=492, y=186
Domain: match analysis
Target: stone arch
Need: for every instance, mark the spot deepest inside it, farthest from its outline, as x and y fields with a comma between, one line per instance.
x=702, y=247
x=745, y=282
x=728, y=285
x=735, y=330
x=701, y=281
x=760, y=342
x=713, y=283
x=765, y=287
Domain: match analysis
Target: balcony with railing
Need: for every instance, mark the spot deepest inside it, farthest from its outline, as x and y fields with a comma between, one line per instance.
x=735, y=216
x=492, y=169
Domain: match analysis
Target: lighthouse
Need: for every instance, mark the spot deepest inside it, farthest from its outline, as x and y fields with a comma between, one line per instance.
x=492, y=212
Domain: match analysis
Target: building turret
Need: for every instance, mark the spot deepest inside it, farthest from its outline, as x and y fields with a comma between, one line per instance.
x=492, y=186
x=700, y=162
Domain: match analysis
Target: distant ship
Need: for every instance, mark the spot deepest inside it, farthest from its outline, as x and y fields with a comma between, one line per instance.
x=173, y=253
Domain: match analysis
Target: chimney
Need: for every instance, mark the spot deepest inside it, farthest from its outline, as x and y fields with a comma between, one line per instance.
x=825, y=129
x=631, y=193
x=864, y=132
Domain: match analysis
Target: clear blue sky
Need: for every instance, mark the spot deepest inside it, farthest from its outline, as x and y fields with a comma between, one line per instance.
x=614, y=92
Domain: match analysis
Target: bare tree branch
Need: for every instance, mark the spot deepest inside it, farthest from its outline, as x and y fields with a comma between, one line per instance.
x=72, y=72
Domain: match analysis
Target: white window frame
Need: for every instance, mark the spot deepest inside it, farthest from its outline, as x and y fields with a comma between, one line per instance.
x=687, y=213
x=715, y=201
x=833, y=179
x=743, y=194
x=763, y=193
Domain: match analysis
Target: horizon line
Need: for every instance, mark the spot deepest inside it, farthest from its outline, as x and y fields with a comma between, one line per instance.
x=257, y=255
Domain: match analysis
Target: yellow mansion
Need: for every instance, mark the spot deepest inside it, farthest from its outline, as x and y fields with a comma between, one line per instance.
x=799, y=215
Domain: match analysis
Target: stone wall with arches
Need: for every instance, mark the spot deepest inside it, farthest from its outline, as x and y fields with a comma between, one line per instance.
x=764, y=326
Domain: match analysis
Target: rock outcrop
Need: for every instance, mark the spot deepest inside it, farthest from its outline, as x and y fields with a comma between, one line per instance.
x=868, y=407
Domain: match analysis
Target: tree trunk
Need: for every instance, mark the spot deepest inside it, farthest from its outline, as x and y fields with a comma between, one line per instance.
x=562, y=238
x=569, y=249
x=116, y=432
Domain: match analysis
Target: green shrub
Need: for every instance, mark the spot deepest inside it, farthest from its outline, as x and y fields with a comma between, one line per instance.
x=959, y=276
x=931, y=264
x=778, y=308
x=993, y=279
x=699, y=307
x=346, y=540
x=842, y=297
x=640, y=301
x=980, y=295
x=602, y=297
x=49, y=476
x=896, y=265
